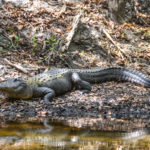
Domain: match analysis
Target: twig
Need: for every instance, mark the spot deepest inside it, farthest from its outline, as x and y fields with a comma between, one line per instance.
x=109, y=37
x=16, y=66
x=72, y=32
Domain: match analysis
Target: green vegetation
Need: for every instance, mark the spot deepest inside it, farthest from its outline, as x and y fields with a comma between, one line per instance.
x=34, y=45
x=10, y=45
x=83, y=52
x=16, y=39
x=51, y=42
x=9, y=29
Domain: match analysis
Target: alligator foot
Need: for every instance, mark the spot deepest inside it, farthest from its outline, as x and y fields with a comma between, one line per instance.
x=48, y=93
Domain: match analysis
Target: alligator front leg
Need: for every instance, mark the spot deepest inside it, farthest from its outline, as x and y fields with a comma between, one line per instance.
x=84, y=86
x=48, y=93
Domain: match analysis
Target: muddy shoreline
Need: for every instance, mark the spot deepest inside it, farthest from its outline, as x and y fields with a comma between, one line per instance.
x=109, y=106
x=34, y=39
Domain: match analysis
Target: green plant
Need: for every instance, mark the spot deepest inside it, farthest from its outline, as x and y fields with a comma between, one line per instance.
x=83, y=52
x=34, y=44
x=16, y=39
x=10, y=45
x=9, y=29
x=51, y=42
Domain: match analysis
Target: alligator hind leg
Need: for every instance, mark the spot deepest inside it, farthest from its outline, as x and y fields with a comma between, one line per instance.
x=81, y=84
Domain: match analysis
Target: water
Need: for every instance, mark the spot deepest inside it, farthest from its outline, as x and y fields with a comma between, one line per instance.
x=55, y=136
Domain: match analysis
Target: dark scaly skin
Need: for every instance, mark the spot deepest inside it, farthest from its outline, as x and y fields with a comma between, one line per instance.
x=59, y=81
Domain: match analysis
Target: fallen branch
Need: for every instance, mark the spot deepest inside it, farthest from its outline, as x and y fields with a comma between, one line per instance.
x=109, y=37
x=18, y=67
x=72, y=32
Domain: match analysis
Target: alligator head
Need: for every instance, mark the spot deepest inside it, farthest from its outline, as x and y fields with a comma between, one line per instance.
x=16, y=88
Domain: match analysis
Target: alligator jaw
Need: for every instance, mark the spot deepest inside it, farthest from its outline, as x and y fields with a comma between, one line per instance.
x=3, y=86
x=11, y=85
x=16, y=88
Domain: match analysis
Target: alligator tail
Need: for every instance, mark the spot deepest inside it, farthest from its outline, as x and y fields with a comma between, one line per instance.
x=99, y=75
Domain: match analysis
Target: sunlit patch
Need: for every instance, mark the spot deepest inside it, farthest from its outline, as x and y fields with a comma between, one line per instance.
x=135, y=135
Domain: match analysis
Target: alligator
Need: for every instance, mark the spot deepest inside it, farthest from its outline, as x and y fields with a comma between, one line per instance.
x=58, y=81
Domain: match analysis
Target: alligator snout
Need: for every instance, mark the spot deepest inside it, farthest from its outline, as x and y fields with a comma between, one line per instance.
x=11, y=84
x=3, y=85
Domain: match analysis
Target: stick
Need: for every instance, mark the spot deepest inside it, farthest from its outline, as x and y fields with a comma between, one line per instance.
x=18, y=67
x=72, y=32
x=110, y=38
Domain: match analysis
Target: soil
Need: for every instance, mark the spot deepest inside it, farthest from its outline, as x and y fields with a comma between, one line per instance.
x=109, y=106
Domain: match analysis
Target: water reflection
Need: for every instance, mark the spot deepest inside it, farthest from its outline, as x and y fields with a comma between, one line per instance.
x=51, y=135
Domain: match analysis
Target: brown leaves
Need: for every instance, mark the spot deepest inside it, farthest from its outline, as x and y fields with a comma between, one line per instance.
x=20, y=27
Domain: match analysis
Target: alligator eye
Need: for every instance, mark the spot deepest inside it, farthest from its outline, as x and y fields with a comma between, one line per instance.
x=17, y=79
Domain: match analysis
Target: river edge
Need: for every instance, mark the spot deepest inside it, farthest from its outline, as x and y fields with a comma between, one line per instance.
x=124, y=109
